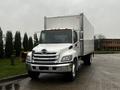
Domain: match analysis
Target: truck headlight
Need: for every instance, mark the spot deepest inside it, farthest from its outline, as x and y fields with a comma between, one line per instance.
x=28, y=59
x=67, y=58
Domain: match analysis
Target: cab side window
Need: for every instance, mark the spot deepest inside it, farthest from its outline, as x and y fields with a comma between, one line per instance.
x=75, y=36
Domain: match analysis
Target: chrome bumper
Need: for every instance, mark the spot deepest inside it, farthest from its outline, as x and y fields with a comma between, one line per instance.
x=49, y=68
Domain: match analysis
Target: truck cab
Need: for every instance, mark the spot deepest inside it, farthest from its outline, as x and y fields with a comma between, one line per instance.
x=57, y=52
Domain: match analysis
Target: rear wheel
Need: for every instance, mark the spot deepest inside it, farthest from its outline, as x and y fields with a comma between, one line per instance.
x=33, y=75
x=88, y=60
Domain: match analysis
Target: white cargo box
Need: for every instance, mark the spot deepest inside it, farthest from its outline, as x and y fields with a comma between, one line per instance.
x=62, y=22
x=76, y=22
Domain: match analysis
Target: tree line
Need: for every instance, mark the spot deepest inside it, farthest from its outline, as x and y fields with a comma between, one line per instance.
x=14, y=45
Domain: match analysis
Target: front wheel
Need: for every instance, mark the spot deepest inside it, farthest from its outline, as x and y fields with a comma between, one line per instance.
x=33, y=75
x=72, y=75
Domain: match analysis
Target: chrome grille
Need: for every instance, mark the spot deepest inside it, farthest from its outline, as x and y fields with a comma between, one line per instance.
x=47, y=57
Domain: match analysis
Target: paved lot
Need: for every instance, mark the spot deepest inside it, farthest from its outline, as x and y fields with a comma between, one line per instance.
x=103, y=74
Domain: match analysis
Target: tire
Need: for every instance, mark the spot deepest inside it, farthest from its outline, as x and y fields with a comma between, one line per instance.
x=72, y=75
x=33, y=75
x=88, y=60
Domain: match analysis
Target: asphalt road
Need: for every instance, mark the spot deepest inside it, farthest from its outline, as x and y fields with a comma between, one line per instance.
x=103, y=74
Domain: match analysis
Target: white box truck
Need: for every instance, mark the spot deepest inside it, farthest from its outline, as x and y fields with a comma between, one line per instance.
x=64, y=41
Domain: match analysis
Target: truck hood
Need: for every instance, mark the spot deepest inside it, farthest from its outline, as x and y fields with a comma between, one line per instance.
x=51, y=47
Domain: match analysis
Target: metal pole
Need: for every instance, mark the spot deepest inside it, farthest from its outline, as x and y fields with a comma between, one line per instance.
x=12, y=60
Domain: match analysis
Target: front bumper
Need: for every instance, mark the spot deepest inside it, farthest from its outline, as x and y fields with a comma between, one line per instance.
x=67, y=67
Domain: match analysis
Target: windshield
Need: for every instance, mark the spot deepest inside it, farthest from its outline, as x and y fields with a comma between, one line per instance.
x=56, y=36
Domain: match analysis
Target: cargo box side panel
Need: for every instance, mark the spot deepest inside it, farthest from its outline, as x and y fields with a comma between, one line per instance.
x=88, y=36
x=62, y=22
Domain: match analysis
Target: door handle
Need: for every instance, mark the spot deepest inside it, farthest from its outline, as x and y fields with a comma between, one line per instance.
x=76, y=44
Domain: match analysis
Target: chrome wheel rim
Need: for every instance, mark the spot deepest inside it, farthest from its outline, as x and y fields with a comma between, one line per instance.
x=73, y=70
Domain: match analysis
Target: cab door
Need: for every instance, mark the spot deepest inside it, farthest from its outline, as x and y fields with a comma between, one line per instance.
x=76, y=42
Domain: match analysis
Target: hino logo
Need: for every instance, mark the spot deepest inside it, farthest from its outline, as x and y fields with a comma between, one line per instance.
x=43, y=51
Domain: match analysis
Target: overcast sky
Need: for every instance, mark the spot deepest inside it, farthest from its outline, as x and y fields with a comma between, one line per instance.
x=27, y=15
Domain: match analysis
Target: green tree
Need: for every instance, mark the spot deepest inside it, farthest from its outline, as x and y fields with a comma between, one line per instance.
x=30, y=43
x=25, y=42
x=1, y=44
x=9, y=44
x=35, y=40
x=17, y=43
